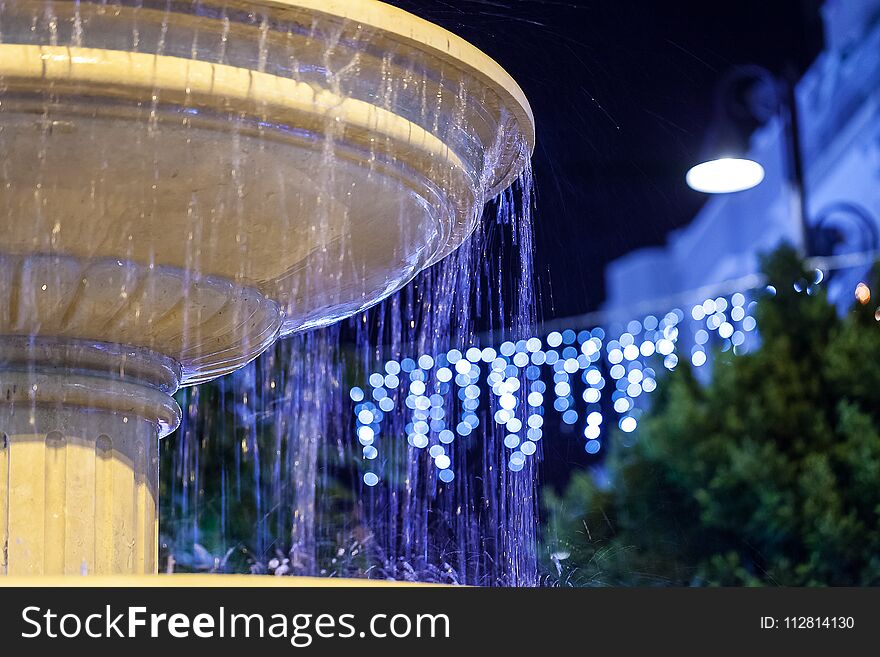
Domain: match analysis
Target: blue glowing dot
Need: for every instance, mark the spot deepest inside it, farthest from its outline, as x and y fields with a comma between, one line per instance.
x=670, y=361
x=392, y=367
x=488, y=355
x=592, y=395
x=515, y=466
x=426, y=362
x=517, y=457
x=370, y=452
x=570, y=417
x=568, y=336
x=386, y=404
x=594, y=418
x=376, y=380
x=419, y=440
x=592, y=446
x=554, y=339
x=533, y=345
x=444, y=374
x=356, y=394
x=528, y=448
x=407, y=364
x=453, y=356
x=628, y=424
x=562, y=389
x=366, y=435
x=622, y=404
x=511, y=441
x=749, y=324
x=514, y=425
x=462, y=367
x=436, y=450
x=446, y=436
x=507, y=348
x=371, y=479
x=534, y=434
x=535, y=399
x=474, y=354
x=592, y=431
x=392, y=381
x=698, y=358
x=442, y=462
x=446, y=476
x=365, y=417
x=535, y=421
x=560, y=404
x=464, y=429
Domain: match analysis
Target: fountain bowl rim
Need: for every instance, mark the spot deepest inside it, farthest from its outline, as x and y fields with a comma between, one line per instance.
x=425, y=34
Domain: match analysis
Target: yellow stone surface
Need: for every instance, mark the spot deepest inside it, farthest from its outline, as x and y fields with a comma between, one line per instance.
x=79, y=504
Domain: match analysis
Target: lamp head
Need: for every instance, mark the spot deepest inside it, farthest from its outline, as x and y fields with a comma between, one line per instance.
x=745, y=100
x=725, y=175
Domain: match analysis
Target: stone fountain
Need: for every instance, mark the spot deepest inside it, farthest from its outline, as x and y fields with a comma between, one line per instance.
x=182, y=184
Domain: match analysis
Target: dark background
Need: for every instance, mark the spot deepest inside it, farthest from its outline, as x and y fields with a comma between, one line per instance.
x=622, y=93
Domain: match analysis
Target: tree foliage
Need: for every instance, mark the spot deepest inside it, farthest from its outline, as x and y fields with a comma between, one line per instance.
x=767, y=475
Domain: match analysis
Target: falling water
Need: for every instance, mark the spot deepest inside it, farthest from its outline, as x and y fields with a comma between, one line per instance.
x=268, y=460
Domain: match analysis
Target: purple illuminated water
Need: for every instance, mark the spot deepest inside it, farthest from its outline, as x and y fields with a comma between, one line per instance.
x=266, y=472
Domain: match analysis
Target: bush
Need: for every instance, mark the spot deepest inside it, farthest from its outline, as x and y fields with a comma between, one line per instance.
x=767, y=475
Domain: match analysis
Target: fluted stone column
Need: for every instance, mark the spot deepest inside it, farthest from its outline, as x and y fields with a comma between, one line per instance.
x=79, y=431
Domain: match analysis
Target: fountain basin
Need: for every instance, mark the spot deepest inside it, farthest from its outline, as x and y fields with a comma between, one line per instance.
x=186, y=182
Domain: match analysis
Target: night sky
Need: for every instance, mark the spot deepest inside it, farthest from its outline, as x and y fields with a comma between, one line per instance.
x=622, y=92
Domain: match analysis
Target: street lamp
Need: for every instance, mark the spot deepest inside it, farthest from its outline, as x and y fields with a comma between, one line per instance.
x=746, y=98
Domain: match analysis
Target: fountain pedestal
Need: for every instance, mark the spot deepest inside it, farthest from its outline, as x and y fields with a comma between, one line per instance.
x=79, y=430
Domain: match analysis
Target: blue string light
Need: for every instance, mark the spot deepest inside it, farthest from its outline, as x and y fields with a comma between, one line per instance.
x=584, y=366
